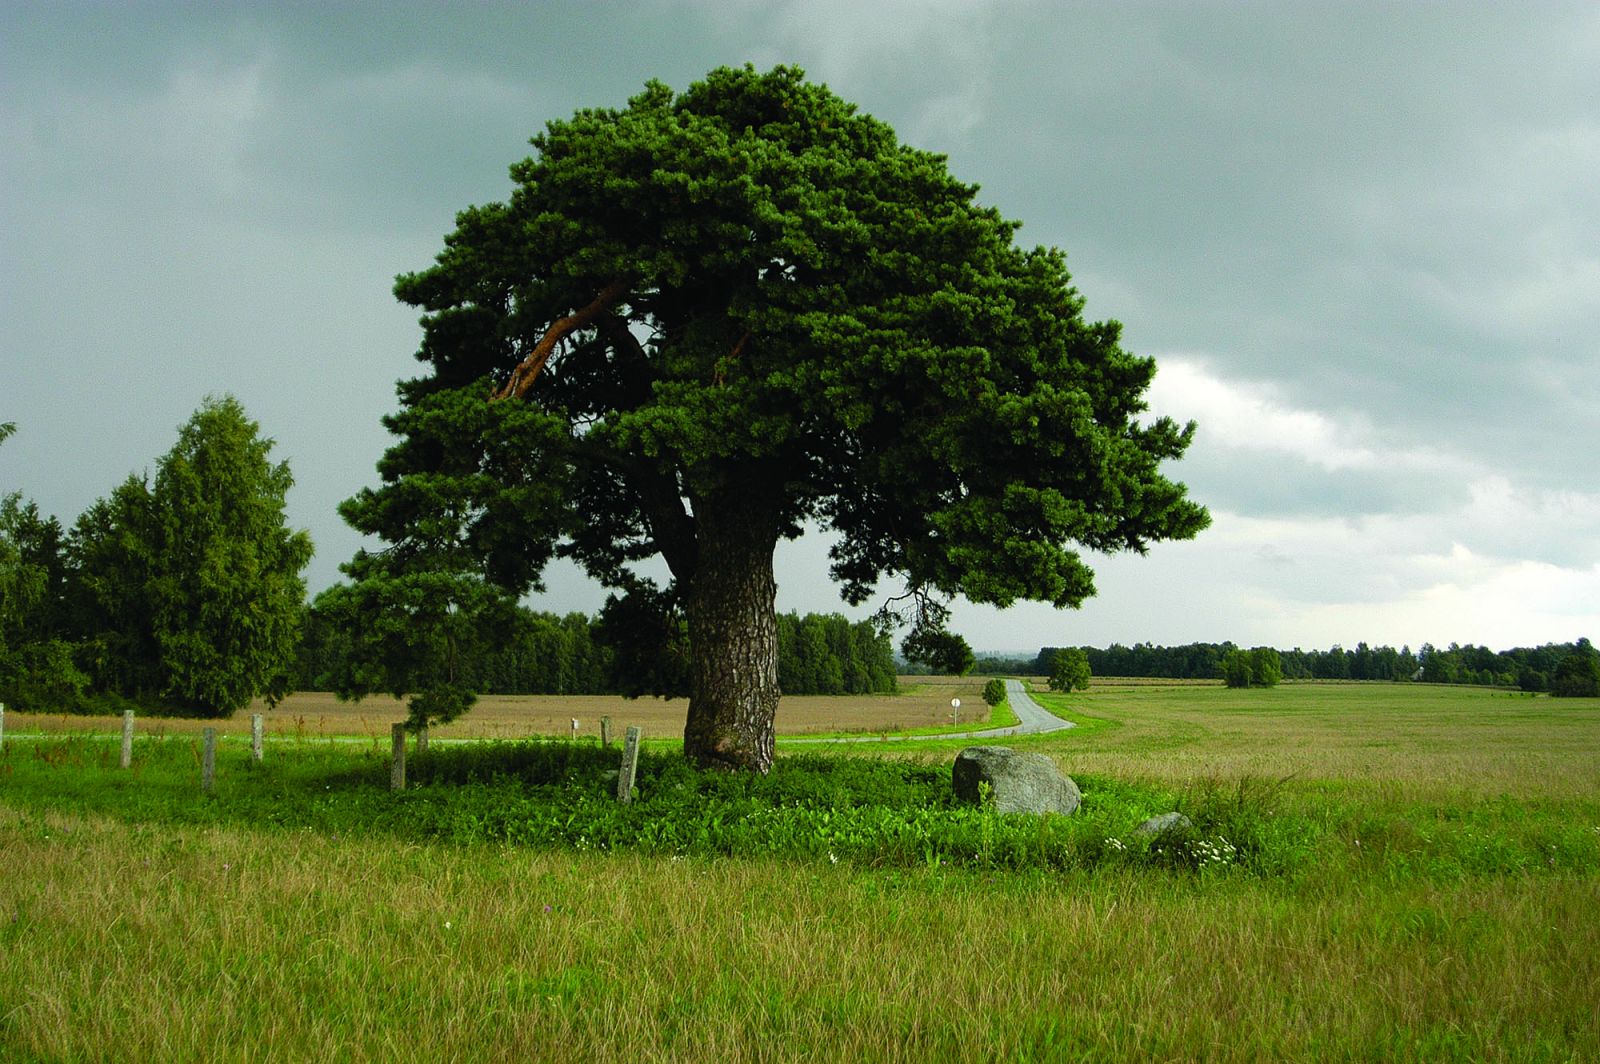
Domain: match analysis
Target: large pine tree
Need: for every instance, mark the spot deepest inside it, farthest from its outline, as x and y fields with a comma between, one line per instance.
x=708, y=318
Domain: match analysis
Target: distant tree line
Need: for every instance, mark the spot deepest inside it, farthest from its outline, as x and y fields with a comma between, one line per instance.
x=493, y=647
x=1569, y=669
x=1000, y=665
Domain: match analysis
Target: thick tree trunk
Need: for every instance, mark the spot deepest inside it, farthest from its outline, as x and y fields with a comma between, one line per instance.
x=733, y=684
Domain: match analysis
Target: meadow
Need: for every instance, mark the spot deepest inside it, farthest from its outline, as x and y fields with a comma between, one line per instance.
x=1412, y=873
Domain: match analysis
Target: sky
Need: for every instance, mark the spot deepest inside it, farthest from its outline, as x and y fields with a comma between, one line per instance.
x=1361, y=241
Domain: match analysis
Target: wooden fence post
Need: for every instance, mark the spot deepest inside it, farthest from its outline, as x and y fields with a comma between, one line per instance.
x=2, y=725
x=208, y=761
x=574, y=728
x=605, y=733
x=397, y=762
x=127, y=738
x=422, y=739
x=255, y=737
x=630, y=764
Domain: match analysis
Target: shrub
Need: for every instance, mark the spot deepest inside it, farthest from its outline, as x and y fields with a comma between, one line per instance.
x=1578, y=675
x=1070, y=671
x=1261, y=667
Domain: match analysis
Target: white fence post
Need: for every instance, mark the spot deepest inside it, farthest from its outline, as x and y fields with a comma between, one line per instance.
x=127, y=738
x=255, y=737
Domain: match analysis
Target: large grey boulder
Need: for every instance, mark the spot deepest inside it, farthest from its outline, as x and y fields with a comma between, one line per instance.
x=1018, y=782
x=1160, y=825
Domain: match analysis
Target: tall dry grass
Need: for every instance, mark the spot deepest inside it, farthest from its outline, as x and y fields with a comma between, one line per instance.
x=158, y=943
x=149, y=941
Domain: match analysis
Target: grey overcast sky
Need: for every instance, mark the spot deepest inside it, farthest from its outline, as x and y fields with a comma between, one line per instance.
x=1361, y=240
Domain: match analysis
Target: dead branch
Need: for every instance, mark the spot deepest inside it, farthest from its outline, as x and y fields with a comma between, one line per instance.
x=527, y=370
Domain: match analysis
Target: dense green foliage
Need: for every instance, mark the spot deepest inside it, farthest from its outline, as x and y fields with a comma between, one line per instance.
x=1260, y=667
x=1070, y=671
x=183, y=594
x=994, y=692
x=1578, y=675
x=37, y=665
x=939, y=651
x=719, y=315
x=1235, y=668
x=826, y=654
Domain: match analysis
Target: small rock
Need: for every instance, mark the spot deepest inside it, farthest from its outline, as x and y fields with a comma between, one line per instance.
x=1018, y=782
x=1158, y=825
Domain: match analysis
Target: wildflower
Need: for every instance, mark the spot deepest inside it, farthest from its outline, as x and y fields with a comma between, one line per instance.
x=447, y=925
x=833, y=858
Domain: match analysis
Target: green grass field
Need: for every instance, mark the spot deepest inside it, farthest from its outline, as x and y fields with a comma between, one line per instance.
x=1418, y=877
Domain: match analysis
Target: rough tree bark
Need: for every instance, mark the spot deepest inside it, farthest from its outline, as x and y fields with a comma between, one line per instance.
x=733, y=628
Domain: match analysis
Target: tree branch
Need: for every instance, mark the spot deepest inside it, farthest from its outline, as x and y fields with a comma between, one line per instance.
x=527, y=370
x=733, y=356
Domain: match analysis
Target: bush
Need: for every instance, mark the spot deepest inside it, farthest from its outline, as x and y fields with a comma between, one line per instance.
x=994, y=692
x=1261, y=667
x=1070, y=670
x=1578, y=675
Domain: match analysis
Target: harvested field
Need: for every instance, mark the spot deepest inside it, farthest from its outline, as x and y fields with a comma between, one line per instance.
x=923, y=701
x=1144, y=681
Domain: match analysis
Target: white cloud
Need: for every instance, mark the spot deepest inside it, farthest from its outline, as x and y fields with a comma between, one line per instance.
x=1492, y=561
x=1473, y=599
x=1257, y=415
x=1312, y=584
x=1450, y=574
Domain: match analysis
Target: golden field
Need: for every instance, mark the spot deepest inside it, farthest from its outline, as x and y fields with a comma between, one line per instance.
x=922, y=702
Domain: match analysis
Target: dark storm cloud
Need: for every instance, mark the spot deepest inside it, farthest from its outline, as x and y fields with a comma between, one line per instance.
x=1362, y=235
